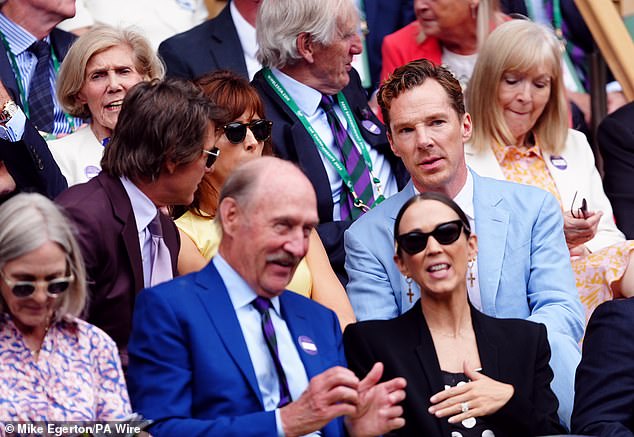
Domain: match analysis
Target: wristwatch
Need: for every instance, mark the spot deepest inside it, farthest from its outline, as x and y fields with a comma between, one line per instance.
x=8, y=111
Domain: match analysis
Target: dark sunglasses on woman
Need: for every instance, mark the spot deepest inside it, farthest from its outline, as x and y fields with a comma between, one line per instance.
x=416, y=241
x=26, y=288
x=236, y=131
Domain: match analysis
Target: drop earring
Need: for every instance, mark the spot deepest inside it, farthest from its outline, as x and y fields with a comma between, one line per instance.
x=470, y=276
x=409, y=288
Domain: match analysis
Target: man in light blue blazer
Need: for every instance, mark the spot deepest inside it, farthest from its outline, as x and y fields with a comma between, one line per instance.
x=207, y=359
x=522, y=269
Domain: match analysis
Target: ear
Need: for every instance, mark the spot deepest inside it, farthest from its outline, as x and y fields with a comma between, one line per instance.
x=467, y=127
x=170, y=166
x=401, y=265
x=472, y=249
x=305, y=46
x=80, y=98
x=229, y=213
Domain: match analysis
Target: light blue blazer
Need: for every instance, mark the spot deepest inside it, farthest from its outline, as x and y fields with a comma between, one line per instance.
x=523, y=268
x=190, y=370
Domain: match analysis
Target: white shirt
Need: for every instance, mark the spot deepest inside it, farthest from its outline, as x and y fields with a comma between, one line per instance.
x=241, y=295
x=248, y=41
x=78, y=155
x=308, y=99
x=464, y=199
x=144, y=212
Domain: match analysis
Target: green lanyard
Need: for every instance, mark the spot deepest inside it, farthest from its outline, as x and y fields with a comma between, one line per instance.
x=356, y=137
x=23, y=96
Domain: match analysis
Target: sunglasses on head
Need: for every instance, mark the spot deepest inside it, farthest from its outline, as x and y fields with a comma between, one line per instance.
x=23, y=289
x=236, y=132
x=416, y=241
x=212, y=155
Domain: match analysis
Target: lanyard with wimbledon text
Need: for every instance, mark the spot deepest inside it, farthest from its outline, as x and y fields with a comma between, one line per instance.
x=356, y=137
x=23, y=97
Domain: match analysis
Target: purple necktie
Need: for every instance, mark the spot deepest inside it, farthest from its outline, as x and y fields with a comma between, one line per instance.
x=354, y=163
x=262, y=305
x=161, y=258
x=40, y=97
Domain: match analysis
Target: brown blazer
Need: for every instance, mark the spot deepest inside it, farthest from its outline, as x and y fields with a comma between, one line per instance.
x=107, y=234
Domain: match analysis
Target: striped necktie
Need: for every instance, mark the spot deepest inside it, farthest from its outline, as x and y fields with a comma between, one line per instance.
x=262, y=305
x=354, y=163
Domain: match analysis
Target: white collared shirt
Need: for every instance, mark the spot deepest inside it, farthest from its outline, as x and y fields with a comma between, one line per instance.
x=144, y=212
x=242, y=295
x=464, y=199
x=246, y=35
x=308, y=99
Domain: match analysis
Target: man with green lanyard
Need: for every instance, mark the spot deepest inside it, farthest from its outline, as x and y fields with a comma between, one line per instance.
x=30, y=52
x=320, y=115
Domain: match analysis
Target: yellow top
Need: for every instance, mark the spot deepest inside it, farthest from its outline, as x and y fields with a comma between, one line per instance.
x=206, y=233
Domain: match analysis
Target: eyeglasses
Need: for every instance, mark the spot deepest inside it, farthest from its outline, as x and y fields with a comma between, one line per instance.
x=236, y=132
x=212, y=155
x=581, y=212
x=416, y=241
x=24, y=289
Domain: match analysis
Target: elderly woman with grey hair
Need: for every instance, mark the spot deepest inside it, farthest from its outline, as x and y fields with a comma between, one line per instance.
x=54, y=366
x=99, y=69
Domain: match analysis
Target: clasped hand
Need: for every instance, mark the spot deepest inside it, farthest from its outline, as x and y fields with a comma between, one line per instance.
x=482, y=396
x=579, y=231
x=370, y=408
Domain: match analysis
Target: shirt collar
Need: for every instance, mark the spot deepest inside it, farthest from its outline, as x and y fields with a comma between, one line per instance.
x=246, y=32
x=240, y=293
x=464, y=198
x=143, y=208
x=18, y=38
x=306, y=98
x=502, y=152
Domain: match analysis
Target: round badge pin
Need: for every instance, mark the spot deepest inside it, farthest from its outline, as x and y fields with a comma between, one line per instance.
x=91, y=171
x=371, y=127
x=559, y=162
x=307, y=344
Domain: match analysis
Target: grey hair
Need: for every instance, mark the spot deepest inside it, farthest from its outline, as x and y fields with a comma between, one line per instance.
x=29, y=220
x=279, y=23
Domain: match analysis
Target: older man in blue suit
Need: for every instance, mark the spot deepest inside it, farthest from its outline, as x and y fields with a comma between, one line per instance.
x=522, y=269
x=225, y=352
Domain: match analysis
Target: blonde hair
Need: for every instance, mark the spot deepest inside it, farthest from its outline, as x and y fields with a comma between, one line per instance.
x=517, y=46
x=72, y=73
x=29, y=220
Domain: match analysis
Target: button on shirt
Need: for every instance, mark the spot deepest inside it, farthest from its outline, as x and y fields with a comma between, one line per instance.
x=308, y=99
x=242, y=295
x=144, y=212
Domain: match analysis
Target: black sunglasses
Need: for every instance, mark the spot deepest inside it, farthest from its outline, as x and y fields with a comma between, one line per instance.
x=416, y=241
x=26, y=288
x=236, y=132
x=212, y=155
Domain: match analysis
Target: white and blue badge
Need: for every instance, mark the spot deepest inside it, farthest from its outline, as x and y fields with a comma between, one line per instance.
x=307, y=344
x=559, y=162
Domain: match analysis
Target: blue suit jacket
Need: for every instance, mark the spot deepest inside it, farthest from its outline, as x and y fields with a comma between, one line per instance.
x=604, y=398
x=523, y=268
x=190, y=369
x=29, y=161
x=210, y=46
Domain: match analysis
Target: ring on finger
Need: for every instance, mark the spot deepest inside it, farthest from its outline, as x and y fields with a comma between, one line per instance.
x=464, y=407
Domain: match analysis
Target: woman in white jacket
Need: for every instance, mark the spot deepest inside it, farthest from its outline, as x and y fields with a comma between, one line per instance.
x=520, y=116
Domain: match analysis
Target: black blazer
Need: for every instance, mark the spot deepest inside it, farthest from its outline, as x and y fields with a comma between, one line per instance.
x=108, y=238
x=512, y=351
x=29, y=161
x=604, y=385
x=210, y=46
x=616, y=142
x=292, y=142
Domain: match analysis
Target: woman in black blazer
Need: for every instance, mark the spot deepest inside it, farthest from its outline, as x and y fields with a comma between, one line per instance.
x=467, y=374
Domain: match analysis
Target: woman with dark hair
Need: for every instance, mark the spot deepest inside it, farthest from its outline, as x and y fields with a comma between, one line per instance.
x=245, y=135
x=475, y=375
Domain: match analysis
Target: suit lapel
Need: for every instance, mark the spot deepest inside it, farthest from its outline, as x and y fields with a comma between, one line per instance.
x=223, y=42
x=492, y=222
x=487, y=350
x=213, y=295
x=122, y=209
x=564, y=179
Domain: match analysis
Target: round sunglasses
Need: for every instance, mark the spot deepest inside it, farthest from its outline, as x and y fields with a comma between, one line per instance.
x=236, y=131
x=416, y=241
x=24, y=289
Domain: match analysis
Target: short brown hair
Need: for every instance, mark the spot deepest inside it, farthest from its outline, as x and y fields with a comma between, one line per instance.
x=412, y=75
x=159, y=121
x=72, y=74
